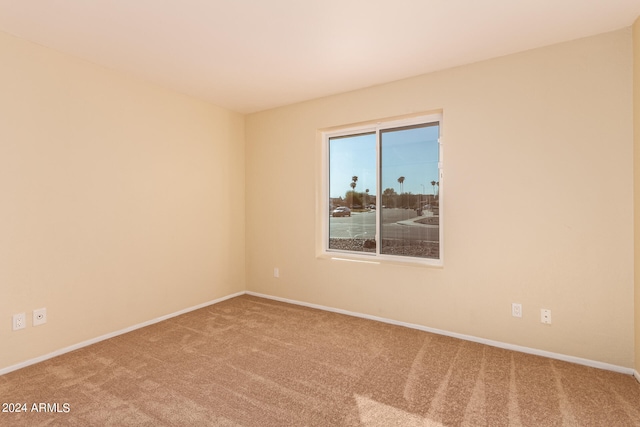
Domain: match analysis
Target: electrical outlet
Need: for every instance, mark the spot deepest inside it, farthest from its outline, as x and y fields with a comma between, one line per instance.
x=19, y=321
x=276, y=272
x=39, y=316
x=516, y=310
x=545, y=316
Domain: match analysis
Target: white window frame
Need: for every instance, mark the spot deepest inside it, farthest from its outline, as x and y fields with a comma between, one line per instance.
x=324, y=204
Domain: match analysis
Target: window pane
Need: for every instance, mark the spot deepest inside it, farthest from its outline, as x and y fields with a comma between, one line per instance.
x=409, y=218
x=352, y=187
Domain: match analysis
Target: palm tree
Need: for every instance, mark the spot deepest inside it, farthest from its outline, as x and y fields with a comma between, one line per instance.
x=401, y=181
x=354, y=179
x=433, y=184
x=353, y=188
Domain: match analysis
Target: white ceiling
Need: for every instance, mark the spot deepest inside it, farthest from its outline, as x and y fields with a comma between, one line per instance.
x=251, y=55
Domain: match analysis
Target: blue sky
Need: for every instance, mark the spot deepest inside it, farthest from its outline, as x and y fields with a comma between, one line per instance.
x=408, y=152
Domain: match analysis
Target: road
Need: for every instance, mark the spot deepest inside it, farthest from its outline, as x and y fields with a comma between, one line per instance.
x=362, y=225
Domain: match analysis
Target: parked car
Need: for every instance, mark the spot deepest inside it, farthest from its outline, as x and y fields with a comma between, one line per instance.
x=341, y=211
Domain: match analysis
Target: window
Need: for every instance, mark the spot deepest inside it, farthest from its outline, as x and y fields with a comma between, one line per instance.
x=384, y=187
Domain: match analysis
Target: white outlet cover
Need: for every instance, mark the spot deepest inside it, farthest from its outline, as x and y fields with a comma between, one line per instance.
x=39, y=316
x=516, y=309
x=545, y=316
x=19, y=321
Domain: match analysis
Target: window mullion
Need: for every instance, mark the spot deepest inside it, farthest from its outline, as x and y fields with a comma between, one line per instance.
x=378, y=192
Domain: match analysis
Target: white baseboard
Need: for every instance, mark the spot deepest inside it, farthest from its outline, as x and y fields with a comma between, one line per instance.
x=528, y=350
x=551, y=355
x=111, y=335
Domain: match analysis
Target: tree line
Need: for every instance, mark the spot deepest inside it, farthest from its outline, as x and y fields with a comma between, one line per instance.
x=390, y=198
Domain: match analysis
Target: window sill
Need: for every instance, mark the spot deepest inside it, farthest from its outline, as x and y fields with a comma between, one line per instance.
x=379, y=259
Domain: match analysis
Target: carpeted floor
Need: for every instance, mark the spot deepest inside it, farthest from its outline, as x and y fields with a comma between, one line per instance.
x=255, y=362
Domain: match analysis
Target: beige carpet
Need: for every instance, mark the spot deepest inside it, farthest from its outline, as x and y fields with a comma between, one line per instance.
x=255, y=362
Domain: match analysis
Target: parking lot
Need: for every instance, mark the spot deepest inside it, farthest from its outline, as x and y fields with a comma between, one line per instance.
x=396, y=224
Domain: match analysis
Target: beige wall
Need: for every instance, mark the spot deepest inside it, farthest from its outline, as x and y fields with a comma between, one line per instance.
x=636, y=126
x=539, y=201
x=120, y=201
